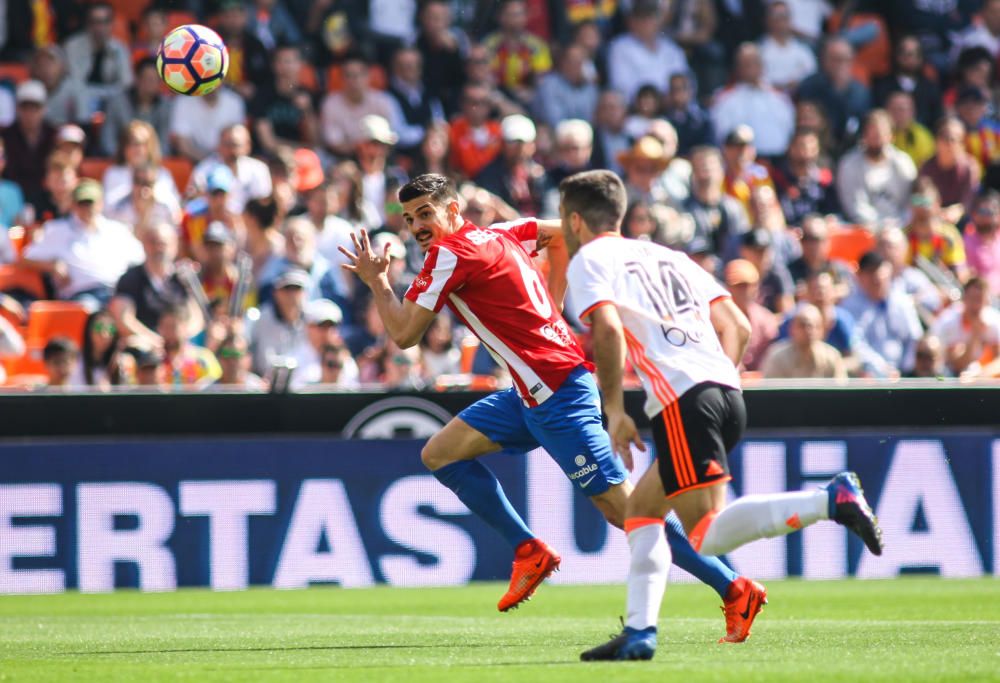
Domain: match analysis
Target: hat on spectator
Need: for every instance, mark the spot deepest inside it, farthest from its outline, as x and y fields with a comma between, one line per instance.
x=517, y=128
x=218, y=233
x=308, y=170
x=396, y=248
x=293, y=277
x=740, y=135
x=146, y=358
x=971, y=94
x=741, y=272
x=377, y=128
x=72, y=133
x=870, y=262
x=88, y=190
x=757, y=239
x=31, y=91
x=220, y=179
x=646, y=148
x=321, y=311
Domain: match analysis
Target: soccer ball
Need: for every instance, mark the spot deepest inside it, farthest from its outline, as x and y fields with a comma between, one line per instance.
x=192, y=60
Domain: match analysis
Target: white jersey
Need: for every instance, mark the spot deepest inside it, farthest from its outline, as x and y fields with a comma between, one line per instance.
x=663, y=298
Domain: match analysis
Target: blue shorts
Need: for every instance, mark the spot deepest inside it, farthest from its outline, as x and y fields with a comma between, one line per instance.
x=567, y=425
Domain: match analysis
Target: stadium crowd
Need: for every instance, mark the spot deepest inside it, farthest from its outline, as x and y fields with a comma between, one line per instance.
x=835, y=164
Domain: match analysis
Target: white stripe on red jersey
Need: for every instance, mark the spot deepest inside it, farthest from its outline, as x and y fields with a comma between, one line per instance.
x=487, y=278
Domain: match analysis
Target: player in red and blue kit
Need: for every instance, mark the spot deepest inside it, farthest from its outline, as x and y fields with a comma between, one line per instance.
x=487, y=278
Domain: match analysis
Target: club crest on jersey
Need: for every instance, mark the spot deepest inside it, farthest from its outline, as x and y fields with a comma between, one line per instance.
x=480, y=237
x=420, y=284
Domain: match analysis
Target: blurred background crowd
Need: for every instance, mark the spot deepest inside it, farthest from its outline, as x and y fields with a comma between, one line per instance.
x=835, y=164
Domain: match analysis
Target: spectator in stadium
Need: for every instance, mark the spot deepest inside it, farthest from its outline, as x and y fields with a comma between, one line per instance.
x=300, y=253
x=234, y=363
x=283, y=109
x=787, y=60
x=366, y=338
x=741, y=279
x=355, y=208
x=146, y=290
x=375, y=144
x=643, y=54
x=282, y=166
x=433, y=155
x=804, y=184
x=251, y=177
x=566, y=92
x=61, y=356
x=970, y=332
x=887, y=322
x=141, y=208
x=99, y=359
x=693, y=24
x=11, y=197
x=804, y=354
x=643, y=164
x=273, y=24
x=476, y=138
x=323, y=328
x=414, y=109
x=28, y=141
x=574, y=146
x=517, y=57
x=264, y=240
x=61, y=177
x=97, y=59
x=908, y=134
x=139, y=147
x=776, y=291
x=187, y=365
x=718, y=218
x=197, y=123
x=146, y=368
x=928, y=359
x=280, y=331
x=932, y=239
x=144, y=101
x=909, y=76
x=874, y=179
x=689, y=119
x=842, y=98
x=982, y=240
x=444, y=48
x=71, y=142
x=743, y=174
x=952, y=170
x=838, y=325
x=982, y=131
x=893, y=246
x=400, y=368
x=219, y=273
x=85, y=253
x=342, y=112
x=67, y=97
x=645, y=108
x=209, y=207
x=439, y=354
x=249, y=61
x=984, y=33
x=816, y=256
x=513, y=175
x=333, y=359
x=752, y=102
x=153, y=27
x=766, y=214
x=610, y=138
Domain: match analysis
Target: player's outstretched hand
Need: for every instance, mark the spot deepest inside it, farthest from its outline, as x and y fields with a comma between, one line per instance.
x=623, y=433
x=364, y=261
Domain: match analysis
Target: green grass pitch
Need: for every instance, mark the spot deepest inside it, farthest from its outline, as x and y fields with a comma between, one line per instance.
x=914, y=629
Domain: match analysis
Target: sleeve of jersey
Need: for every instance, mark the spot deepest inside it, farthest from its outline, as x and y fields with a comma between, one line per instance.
x=591, y=286
x=524, y=231
x=439, y=277
x=707, y=287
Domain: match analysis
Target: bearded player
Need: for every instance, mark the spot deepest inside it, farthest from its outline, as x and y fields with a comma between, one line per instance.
x=487, y=278
x=686, y=337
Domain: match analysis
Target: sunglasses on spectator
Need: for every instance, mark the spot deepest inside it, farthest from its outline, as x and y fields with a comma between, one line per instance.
x=400, y=359
x=333, y=364
x=925, y=355
x=813, y=238
x=231, y=353
x=105, y=328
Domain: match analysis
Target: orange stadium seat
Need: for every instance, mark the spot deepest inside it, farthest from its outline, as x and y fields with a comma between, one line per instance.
x=131, y=10
x=16, y=72
x=23, y=365
x=94, y=167
x=309, y=78
x=177, y=18
x=377, y=78
x=180, y=168
x=850, y=244
x=122, y=29
x=48, y=319
x=25, y=279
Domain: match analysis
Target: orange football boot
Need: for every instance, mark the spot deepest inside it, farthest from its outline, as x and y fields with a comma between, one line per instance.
x=744, y=602
x=533, y=563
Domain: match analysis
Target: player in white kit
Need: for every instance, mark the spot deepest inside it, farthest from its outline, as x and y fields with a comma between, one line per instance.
x=685, y=338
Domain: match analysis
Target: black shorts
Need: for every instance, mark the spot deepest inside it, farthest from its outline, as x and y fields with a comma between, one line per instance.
x=694, y=434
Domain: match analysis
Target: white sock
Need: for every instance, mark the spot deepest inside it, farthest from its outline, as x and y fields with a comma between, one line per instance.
x=761, y=516
x=647, y=575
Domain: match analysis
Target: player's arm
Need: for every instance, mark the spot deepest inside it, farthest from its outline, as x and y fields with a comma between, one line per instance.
x=405, y=322
x=732, y=327
x=550, y=236
x=608, y=339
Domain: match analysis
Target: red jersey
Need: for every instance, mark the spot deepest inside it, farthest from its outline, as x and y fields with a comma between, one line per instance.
x=487, y=278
